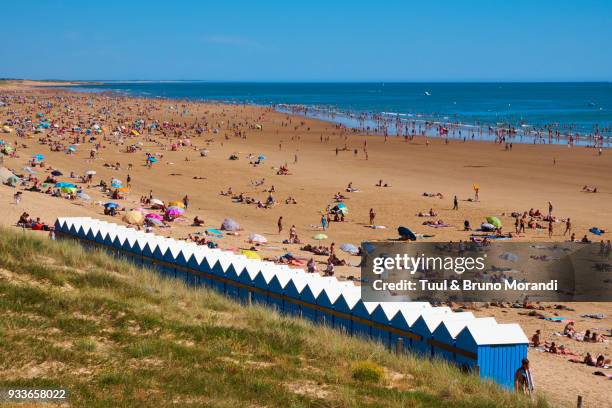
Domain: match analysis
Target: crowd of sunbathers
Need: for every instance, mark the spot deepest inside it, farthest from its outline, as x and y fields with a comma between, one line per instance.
x=25, y=221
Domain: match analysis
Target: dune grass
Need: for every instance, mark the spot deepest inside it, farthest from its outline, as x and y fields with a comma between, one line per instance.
x=117, y=335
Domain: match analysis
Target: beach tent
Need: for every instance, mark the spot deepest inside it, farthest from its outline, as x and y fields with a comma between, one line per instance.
x=494, y=221
x=229, y=224
x=406, y=233
x=443, y=337
x=425, y=325
x=496, y=351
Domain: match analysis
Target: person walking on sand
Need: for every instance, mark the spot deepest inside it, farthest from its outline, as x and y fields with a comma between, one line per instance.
x=323, y=222
x=186, y=201
x=568, y=227
x=455, y=203
x=550, y=229
x=280, y=225
x=476, y=191
x=129, y=181
x=17, y=197
x=372, y=216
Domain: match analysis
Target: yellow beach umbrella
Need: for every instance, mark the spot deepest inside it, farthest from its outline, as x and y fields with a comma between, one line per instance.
x=250, y=254
x=176, y=204
x=134, y=217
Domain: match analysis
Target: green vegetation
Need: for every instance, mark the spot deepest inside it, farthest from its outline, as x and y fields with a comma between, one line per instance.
x=117, y=335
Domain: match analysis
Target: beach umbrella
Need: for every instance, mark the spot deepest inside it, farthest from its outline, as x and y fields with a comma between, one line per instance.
x=152, y=159
x=90, y=172
x=134, y=217
x=406, y=233
x=155, y=203
x=12, y=181
x=57, y=173
x=83, y=196
x=38, y=157
x=176, y=204
x=29, y=170
x=320, y=237
x=123, y=190
x=174, y=212
x=110, y=204
x=155, y=221
x=154, y=216
x=262, y=157
x=495, y=221
x=116, y=183
x=62, y=184
x=68, y=190
x=257, y=239
x=342, y=208
x=229, y=225
x=250, y=254
x=349, y=248
x=72, y=148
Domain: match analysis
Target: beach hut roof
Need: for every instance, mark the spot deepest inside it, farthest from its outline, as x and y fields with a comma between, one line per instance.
x=499, y=334
x=432, y=321
x=454, y=327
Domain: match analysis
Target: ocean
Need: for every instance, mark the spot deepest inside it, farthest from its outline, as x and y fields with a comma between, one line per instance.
x=530, y=109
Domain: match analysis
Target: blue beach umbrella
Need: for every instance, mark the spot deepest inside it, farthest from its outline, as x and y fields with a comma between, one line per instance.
x=111, y=205
x=38, y=157
x=406, y=233
x=152, y=159
x=63, y=184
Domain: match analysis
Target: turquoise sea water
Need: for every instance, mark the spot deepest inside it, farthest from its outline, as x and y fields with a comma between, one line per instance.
x=534, y=110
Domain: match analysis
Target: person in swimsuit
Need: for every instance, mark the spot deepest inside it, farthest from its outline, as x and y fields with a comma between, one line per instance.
x=523, y=381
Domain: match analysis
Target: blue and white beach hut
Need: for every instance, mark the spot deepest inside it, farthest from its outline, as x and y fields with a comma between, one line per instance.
x=495, y=351
x=443, y=338
x=425, y=325
x=403, y=320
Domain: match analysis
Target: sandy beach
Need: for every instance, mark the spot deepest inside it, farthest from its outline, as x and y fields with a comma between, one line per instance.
x=321, y=160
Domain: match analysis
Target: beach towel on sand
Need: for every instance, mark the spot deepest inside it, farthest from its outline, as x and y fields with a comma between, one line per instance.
x=554, y=319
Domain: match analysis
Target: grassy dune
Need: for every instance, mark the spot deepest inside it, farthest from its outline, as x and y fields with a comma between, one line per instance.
x=117, y=335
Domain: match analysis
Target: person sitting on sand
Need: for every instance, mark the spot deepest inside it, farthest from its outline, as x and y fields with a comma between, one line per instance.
x=197, y=222
x=311, y=266
x=602, y=361
x=569, y=330
x=535, y=339
x=466, y=225
x=329, y=269
x=596, y=338
x=589, y=360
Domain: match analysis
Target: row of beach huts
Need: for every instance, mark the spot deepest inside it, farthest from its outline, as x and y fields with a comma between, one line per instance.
x=494, y=350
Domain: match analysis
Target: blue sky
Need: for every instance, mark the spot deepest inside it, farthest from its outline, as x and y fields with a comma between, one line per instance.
x=461, y=40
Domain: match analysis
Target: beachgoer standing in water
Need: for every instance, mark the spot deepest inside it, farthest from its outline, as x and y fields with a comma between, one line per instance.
x=280, y=225
x=372, y=216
